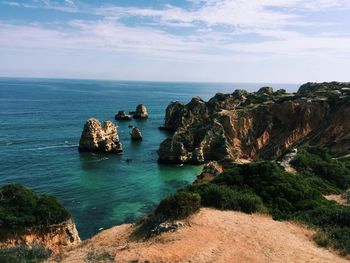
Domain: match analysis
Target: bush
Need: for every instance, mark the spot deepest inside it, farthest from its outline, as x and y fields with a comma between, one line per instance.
x=281, y=192
x=224, y=197
x=335, y=237
x=95, y=256
x=316, y=162
x=21, y=207
x=323, y=186
x=294, y=197
x=179, y=206
x=24, y=254
x=266, y=185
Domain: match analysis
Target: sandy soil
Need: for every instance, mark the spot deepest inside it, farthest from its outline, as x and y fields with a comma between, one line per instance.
x=337, y=198
x=212, y=236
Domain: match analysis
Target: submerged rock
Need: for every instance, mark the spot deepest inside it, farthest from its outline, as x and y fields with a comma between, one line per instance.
x=97, y=138
x=136, y=134
x=141, y=112
x=122, y=116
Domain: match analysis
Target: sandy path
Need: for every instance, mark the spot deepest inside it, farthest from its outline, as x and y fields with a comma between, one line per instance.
x=213, y=236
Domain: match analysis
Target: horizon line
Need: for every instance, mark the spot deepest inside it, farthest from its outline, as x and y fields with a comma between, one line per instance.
x=159, y=81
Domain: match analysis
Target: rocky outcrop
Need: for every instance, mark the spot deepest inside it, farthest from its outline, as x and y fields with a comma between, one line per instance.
x=55, y=237
x=286, y=160
x=265, y=90
x=141, y=112
x=136, y=134
x=209, y=172
x=259, y=125
x=122, y=116
x=97, y=138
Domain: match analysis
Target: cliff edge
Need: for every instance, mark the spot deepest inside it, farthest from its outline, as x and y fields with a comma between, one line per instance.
x=258, y=125
x=208, y=236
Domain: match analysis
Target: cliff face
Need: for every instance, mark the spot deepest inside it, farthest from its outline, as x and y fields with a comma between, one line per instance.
x=55, y=237
x=258, y=125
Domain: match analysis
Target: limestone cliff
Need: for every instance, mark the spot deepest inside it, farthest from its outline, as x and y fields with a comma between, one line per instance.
x=259, y=125
x=99, y=138
x=54, y=237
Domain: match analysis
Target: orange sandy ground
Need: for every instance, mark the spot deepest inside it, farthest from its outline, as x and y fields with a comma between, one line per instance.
x=212, y=236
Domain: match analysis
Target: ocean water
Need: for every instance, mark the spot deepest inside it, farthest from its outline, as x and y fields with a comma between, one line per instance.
x=40, y=125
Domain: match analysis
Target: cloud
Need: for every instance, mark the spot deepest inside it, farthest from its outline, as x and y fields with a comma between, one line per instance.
x=208, y=31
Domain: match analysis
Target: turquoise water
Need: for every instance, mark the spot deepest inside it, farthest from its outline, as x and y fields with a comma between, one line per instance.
x=40, y=125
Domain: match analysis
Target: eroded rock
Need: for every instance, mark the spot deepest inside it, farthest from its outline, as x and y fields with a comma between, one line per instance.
x=259, y=125
x=97, y=138
x=209, y=172
x=136, y=134
x=141, y=112
x=55, y=237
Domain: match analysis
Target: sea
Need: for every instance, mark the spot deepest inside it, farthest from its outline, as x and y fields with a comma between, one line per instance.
x=41, y=121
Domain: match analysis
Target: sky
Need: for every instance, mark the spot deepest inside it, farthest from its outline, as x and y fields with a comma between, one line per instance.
x=281, y=41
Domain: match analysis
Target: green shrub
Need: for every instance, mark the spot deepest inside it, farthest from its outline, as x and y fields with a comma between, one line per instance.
x=281, y=192
x=224, y=197
x=266, y=185
x=21, y=207
x=335, y=237
x=294, y=197
x=179, y=205
x=95, y=256
x=24, y=254
x=316, y=162
x=324, y=186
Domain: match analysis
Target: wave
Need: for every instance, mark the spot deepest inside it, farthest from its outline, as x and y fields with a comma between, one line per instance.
x=52, y=147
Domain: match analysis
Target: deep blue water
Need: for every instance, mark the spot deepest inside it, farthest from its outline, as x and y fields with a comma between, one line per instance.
x=40, y=125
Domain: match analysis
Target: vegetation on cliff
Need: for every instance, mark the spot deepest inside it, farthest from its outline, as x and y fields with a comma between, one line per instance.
x=327, y=174
x=20, y=208
x=24, y=254
x=266, y=187
x=179, y=205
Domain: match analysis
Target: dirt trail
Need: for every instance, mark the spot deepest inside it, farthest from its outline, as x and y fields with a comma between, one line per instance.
x=213, y=236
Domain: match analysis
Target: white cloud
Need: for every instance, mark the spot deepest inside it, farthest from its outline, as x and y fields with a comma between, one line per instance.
x=240, y=31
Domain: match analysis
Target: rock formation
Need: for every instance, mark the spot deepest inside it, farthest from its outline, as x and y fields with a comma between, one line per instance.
x=259, y=125
x=141, y=112
x=136, y=134
x=55, y=237
x=209, y=172
x=28, y=218
x=122, y=116
x=97, y=138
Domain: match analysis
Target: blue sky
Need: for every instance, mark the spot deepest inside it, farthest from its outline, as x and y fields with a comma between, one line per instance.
x=286, y=41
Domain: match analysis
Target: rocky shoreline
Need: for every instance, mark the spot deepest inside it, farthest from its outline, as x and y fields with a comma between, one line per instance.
x=259, y=125
x=229, y=128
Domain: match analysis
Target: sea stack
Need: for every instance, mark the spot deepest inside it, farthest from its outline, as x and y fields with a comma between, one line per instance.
x=136, y=134
x=97, y=138
x=141, y=112
x=122, y=116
